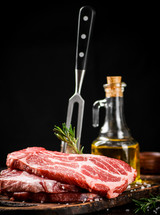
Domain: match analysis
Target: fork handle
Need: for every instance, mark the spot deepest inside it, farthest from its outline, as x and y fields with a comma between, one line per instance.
x=85, y=23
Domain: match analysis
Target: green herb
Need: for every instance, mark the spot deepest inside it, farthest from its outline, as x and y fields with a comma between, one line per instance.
x=146, y=204
x=67, y=135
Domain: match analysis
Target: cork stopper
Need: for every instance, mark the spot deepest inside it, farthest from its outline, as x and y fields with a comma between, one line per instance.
x=114, y=79
x=114, y=86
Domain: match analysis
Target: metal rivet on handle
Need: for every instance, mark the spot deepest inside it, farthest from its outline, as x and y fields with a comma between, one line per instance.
x=85, y=18
x=83, y=36
x=81, y=54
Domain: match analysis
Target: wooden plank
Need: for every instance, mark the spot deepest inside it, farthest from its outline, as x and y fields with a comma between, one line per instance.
x=155, y=178
x=134, y=192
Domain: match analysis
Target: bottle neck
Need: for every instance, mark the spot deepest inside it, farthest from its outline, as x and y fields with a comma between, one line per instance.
x=115, y=126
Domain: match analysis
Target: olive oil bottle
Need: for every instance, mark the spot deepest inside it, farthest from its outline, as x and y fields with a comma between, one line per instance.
x=115, y=139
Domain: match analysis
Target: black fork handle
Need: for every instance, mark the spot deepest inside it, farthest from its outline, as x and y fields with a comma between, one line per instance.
x=85, y=24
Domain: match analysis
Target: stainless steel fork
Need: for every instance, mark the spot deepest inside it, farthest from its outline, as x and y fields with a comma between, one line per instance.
x=85, y=23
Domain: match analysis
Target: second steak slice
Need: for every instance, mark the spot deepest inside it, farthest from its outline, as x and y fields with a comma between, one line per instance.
x=21, y=181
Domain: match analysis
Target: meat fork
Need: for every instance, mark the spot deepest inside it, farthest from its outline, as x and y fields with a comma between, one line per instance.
x=85, y=23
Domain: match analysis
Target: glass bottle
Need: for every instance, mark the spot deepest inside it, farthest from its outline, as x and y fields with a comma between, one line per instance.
x=115, y=139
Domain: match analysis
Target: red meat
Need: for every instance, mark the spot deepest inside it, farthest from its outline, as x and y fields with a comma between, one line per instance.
x=99, y=174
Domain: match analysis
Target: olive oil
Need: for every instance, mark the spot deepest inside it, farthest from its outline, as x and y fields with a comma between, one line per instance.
x=123, y=150
x=115, y=139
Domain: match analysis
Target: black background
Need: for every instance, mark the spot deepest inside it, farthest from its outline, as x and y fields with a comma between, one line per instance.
x=37, y=70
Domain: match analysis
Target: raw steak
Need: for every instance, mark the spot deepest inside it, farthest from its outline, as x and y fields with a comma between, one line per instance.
x=21, y=181
x=54, y=197
x=99, y=174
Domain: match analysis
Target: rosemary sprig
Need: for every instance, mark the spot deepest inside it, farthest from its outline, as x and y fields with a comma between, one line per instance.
x=68, y=136
x=146, y=204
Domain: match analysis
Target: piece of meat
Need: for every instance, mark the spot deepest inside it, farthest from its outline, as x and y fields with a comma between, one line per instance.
x=99, y=174
x=21, y=181
x=54, y=197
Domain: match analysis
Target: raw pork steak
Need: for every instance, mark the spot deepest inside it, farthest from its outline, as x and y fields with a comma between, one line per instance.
x=21, y=181
x=20, y=185
x=106, y=176
x=54, y=197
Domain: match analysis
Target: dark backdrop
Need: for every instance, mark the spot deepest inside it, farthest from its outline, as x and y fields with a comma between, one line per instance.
x=37, y=70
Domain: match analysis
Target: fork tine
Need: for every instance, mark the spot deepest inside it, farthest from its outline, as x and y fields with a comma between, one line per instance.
x=68, y=122
x=79, y=122
x=69, y=112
